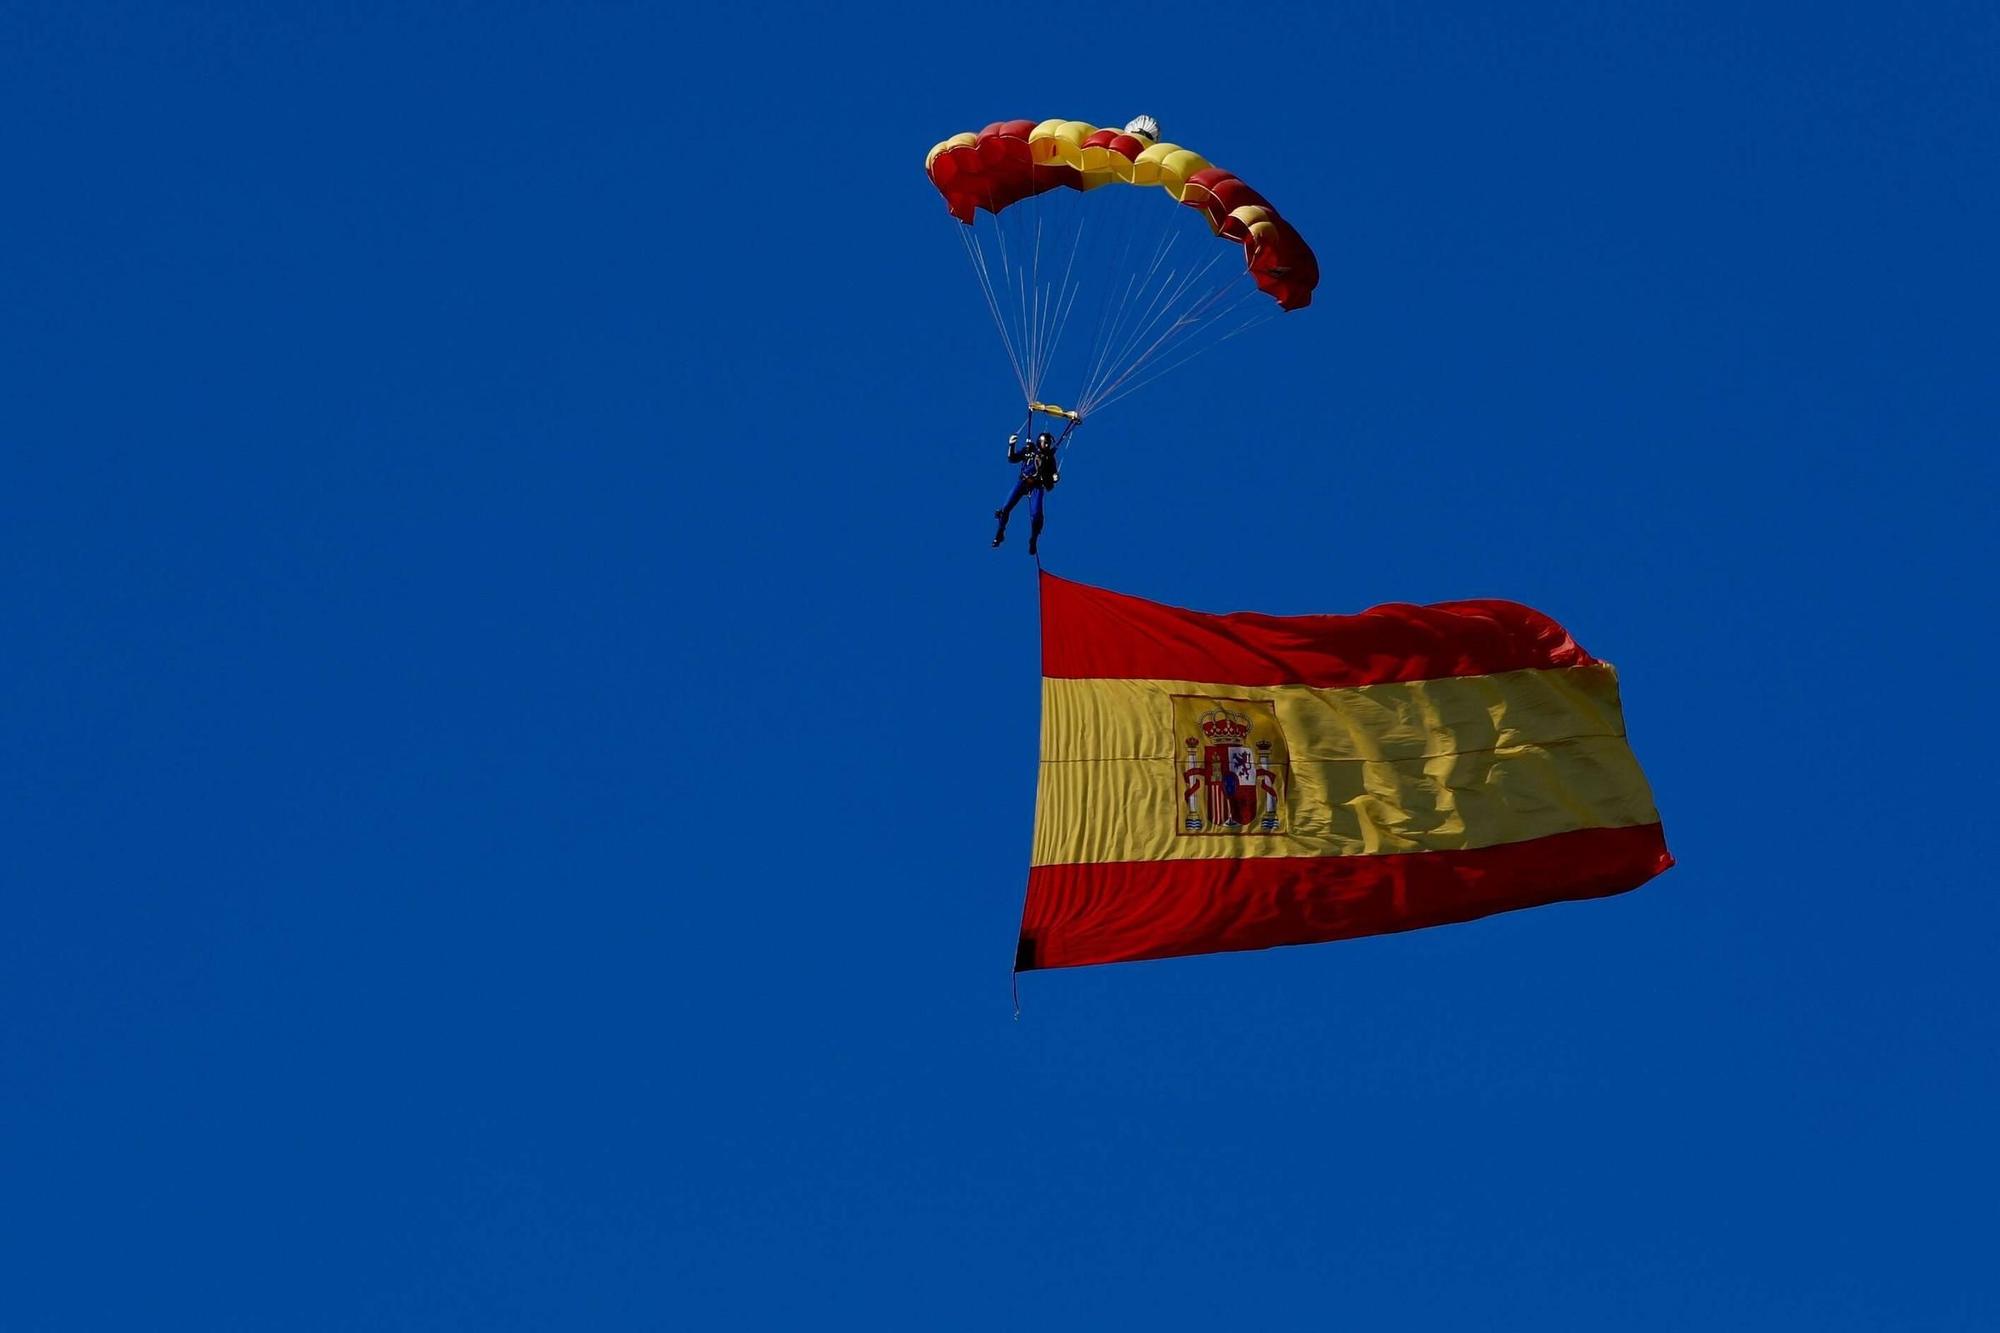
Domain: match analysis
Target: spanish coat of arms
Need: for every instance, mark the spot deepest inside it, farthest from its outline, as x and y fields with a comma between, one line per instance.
x=1233, y=765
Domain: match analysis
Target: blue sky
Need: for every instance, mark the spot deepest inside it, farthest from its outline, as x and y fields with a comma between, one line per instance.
x=519, y=758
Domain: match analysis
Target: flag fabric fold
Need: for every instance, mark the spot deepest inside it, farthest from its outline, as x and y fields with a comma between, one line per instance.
x=1220, y=782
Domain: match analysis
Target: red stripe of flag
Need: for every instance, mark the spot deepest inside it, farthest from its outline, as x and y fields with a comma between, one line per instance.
x=1126, y=910
x=1092, y=632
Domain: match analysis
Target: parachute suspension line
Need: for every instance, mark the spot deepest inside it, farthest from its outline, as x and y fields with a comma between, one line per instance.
x=1053, y=298
x=1104, y=315
x=1129, y=338
x=975, y=253
x=1036, y=307
x=1189, y=354
x=1009, y=305
x=1017, y=295
x=1172, y=290
x=1065, y=228
x=1120, y=311
x=982, y=267
x=1259, y=317
x=1115, y=359
x=1021, y=314
x=1105, y=328
x=1066, y=296
x=1008, y=285
x=1186, y=304
x=1196, y=313
x=1028, y=281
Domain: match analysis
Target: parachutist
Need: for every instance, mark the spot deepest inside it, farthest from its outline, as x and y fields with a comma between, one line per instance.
x=1037, y=478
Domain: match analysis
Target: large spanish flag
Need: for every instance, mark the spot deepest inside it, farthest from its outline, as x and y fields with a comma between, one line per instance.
x=1234, y=782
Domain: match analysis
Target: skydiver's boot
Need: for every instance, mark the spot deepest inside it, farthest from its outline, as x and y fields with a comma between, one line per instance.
x=1034, y=534
x=1000, y=533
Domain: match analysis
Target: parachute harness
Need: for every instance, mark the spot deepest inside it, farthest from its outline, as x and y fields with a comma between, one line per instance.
x=1071, y=420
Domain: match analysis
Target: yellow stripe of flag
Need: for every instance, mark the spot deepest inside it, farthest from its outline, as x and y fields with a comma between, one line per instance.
x=1445, y=764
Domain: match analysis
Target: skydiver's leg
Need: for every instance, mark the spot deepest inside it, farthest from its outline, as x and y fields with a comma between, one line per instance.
x=1021, y=487
x=1035, y=514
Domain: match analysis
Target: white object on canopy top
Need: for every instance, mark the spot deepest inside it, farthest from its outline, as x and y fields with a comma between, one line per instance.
x=1144, y=125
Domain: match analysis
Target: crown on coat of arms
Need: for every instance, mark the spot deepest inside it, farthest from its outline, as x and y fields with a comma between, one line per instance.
x=1224, y=727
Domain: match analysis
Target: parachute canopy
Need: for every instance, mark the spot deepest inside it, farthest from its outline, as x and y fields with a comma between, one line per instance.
x=1144, y=293
x=1012, y=160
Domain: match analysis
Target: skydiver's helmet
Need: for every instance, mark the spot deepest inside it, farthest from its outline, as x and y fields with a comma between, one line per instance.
x=1145, y=127
x=1044, y=440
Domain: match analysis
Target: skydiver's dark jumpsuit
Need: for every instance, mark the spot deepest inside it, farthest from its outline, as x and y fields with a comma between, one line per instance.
x=1038, y=477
